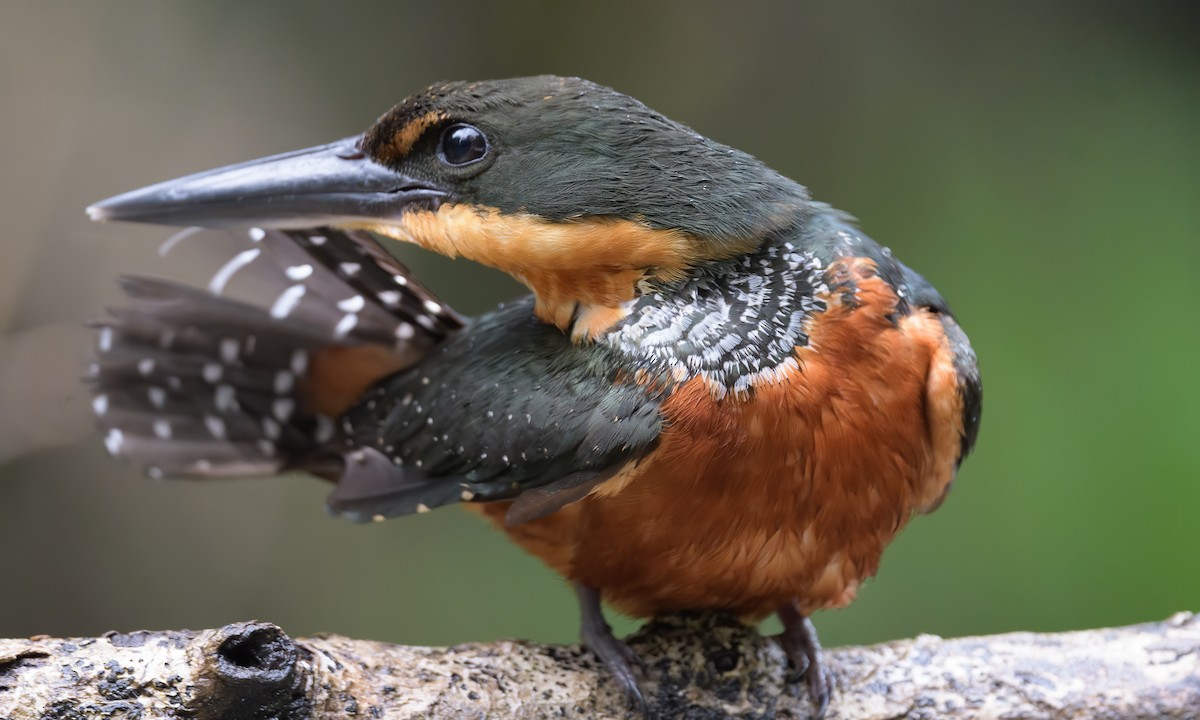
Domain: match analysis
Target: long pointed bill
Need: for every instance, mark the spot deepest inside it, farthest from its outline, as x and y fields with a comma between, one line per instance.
x=305, y=188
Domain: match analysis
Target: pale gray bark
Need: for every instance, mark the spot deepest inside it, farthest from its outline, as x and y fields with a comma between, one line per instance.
x=696, y=667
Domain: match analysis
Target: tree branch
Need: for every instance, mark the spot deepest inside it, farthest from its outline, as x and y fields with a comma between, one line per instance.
x=703, y=666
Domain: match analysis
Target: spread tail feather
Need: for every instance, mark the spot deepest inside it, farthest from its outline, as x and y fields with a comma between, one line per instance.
x=192, y=382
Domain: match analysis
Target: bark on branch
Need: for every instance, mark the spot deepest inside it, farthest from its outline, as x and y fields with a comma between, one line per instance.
x=694, y=666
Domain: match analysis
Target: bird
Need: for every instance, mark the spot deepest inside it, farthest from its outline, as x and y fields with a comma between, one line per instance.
x=718, y=395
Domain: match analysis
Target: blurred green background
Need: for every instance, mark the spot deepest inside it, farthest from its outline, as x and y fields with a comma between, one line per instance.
x=1039, y=162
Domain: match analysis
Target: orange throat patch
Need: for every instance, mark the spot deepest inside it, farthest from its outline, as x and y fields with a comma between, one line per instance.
x=583, y=273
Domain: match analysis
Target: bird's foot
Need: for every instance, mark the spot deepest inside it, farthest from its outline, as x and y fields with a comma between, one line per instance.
x=618, y=657
x=799, y=642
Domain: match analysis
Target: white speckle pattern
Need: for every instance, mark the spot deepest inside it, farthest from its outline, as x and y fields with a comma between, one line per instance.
x=201, y=401
x=735, y=326
x=287, y=301
x=217, y=285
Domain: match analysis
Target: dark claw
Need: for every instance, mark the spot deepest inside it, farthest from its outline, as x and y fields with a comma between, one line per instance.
x=799, y=641
x=618, y=657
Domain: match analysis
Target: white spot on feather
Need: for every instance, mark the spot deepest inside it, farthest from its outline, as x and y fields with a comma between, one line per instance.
x=162, y=429
x=346, y=324
x=299, y=272
x=113, y=441
x=324, y=429
x=271, y=428
x=215, y=425
x=224, y=398
x=299, y=362
x=287, y=301
x=229, y=350
x=212, y=372
x=282, y=408
x=217, y=285
x=100, y=405
x=170, y=243
x=283, y=382
x=352, y=304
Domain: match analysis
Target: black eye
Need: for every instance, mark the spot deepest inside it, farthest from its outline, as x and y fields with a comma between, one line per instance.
x=462, y=144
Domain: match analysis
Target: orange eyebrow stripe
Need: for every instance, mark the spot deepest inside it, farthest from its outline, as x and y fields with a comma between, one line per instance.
x=402, y=141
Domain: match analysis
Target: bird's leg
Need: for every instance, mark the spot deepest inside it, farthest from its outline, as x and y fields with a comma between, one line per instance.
x=799, y=641
x=599, y=638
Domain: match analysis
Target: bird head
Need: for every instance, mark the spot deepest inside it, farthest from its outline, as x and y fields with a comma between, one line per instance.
x=580, y=192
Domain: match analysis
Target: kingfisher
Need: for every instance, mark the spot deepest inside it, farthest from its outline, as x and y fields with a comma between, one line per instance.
x=719, y=395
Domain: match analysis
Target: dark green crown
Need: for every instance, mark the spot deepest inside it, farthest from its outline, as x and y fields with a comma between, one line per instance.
x=566, y=148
